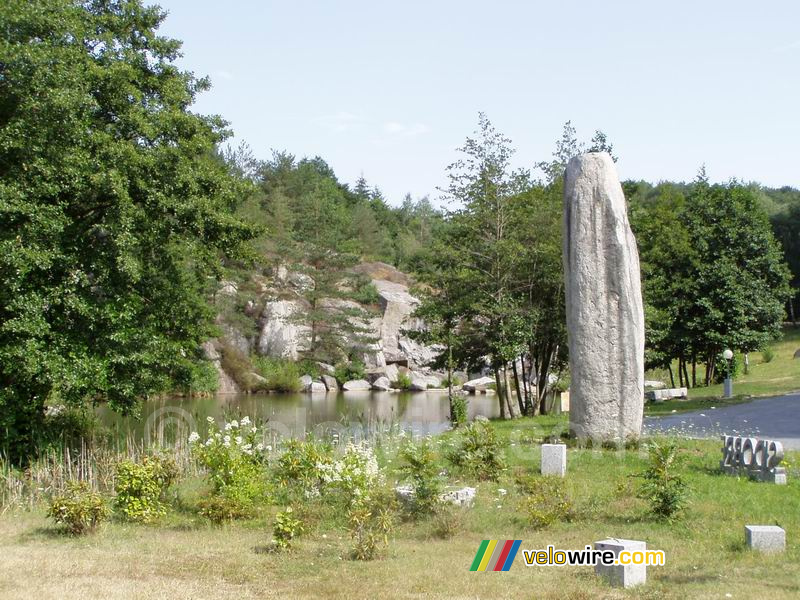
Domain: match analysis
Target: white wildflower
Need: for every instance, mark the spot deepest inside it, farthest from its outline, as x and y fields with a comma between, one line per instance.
x=210, y=419
x=238, y=439
x=235, y=424
x=193, y=437
x=245, y=421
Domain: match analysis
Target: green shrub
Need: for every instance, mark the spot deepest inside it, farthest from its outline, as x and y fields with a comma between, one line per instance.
x=78, y=510
x=238, y=366
x=419, y=466
x=140, y=488
x=281, y=375
x=234, y=462
x=309, y=367
x=456, y=381
x=344, y=372
x=366, y=293
x=767, y=354
x=370, y=523
x=67, y=427
x=298, y=469
x=285, y=529
x=403, y=381
x=545, y=500
x=663, y=486
x=352, y=476
x=478, y=451
x=221, y=508
x=458, y=410
x=202, y=378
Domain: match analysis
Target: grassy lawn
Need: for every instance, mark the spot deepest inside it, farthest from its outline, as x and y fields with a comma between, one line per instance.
x=184, y=557
x=781, y=375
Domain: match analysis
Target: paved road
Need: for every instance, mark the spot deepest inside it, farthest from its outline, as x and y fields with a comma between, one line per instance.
x=774, y=418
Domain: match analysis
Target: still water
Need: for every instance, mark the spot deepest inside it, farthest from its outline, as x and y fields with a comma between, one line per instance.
x=168, y=419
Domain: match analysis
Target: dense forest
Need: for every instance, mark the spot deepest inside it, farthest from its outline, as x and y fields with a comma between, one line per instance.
x=121, y=211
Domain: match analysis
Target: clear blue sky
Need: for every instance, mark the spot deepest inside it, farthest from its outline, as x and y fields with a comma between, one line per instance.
x=390, y=89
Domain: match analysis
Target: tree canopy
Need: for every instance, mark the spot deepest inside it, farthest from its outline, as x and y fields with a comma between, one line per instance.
x=115, y=209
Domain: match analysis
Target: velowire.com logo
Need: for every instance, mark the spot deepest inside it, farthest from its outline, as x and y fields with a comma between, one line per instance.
x=495, y=555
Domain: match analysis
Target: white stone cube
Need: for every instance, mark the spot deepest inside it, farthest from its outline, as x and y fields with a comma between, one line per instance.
x=765, y=538
x=625, y=576
x=554, y=459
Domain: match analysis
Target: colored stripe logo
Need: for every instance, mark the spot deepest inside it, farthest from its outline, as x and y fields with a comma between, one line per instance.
x=495, y=555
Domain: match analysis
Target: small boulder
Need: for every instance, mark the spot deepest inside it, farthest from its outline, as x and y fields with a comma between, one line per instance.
x=317, y=387
x=305, y=383
x=330, y=383
x=797, y=354
x=382, y=384
x=356, y=385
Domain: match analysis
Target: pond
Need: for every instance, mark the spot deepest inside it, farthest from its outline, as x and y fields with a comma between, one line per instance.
x=167, y=420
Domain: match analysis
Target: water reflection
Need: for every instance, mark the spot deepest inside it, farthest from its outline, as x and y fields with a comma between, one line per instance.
x=293, y=414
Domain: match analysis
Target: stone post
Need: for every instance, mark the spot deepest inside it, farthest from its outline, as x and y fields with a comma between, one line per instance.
x=605, y=317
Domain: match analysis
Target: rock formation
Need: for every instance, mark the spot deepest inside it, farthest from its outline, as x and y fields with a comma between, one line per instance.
x=605, y=319
x=281, y=336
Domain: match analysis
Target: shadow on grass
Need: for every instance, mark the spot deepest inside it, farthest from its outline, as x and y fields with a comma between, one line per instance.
x=38, y=534
x=189, y=526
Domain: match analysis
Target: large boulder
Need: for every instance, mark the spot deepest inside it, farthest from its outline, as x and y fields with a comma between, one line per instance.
x=391, y=372
x=356, y=385
x=481, y=384
x=418, y=384
x=433, y=381
x=317, y=387
x=605, y=319
x=281, y=335
x=330, y=382
x=382, y=384
x=416, y=354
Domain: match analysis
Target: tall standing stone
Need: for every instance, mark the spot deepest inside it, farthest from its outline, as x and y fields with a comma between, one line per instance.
x=605, y=319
